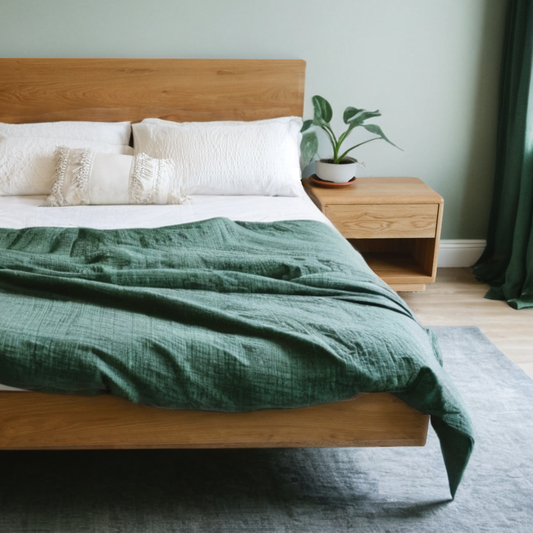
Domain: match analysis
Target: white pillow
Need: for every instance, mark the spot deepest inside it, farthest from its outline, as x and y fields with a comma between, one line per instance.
x=103, y=132
x=229, y=158
x=27, y=163
x=83, y=177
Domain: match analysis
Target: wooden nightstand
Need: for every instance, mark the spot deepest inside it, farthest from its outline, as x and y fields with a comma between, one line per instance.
x=394, y=222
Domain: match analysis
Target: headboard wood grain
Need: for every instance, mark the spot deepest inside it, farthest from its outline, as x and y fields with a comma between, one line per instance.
x=109, y=90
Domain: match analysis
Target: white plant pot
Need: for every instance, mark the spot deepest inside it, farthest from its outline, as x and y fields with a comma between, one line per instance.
x=337, y=173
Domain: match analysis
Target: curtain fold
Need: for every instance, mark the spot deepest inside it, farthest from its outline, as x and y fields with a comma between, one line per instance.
x=507, y=262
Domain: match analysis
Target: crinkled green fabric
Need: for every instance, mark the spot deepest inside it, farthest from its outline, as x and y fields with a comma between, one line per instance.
x=216, y=315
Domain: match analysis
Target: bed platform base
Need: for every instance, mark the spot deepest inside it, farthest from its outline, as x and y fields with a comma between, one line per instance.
x=36, y=421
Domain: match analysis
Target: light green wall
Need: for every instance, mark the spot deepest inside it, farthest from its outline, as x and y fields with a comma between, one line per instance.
x=430, y=66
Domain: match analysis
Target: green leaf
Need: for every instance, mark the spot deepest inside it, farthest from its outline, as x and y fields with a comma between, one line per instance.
x=322, y=109
x=376, y=130
x=309, y=147
x=355, y=117
x=349, y=113
x=306, y=125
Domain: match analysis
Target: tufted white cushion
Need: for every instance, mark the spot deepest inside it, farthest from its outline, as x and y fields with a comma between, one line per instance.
x=83, y=177
x=228, y=158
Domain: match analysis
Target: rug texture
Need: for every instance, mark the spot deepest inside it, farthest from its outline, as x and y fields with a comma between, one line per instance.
x=298, y=490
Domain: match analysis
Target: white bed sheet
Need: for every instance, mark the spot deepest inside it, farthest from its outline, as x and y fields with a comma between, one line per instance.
x=24, y=212
x=19, y=212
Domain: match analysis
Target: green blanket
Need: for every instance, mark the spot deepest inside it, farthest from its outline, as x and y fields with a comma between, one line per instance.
x=216, y=315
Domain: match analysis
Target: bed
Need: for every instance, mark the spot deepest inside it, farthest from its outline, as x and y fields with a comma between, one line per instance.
x=187, y=90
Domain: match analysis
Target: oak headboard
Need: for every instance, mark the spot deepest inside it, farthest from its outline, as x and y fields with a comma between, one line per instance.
x=109, y=90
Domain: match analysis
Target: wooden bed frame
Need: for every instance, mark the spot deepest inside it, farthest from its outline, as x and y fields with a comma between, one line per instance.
x=40, y=90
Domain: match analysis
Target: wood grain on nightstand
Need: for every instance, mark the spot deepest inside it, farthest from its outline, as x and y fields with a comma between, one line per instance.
x=384, y=221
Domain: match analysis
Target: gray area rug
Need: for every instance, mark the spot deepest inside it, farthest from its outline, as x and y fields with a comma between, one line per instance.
x=297, y=490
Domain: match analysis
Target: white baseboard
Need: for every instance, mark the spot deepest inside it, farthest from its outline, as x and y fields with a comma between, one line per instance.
x=460, y=253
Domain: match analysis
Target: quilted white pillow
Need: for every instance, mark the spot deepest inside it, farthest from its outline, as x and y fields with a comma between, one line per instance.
x=27, y=163
x=228, y=158
x=103, y=132
x=83, y=177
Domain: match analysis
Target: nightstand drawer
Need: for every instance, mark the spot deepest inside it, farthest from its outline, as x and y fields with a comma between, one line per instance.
x=384, y=221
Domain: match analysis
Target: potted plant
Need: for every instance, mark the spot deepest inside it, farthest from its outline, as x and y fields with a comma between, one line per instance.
x=340, y=168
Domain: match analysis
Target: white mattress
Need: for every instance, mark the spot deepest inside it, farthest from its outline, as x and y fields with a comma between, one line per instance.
x=24, y=212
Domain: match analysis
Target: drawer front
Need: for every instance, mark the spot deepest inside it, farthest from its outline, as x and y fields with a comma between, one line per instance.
x=384, y=221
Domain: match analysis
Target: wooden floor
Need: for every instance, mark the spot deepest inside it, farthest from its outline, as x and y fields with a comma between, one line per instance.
x=456, y=299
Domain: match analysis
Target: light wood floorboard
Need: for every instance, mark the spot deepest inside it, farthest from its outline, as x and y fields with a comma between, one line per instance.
x=456, y=299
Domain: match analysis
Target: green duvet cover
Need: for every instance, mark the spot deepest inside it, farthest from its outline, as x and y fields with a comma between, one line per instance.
x=216, y=315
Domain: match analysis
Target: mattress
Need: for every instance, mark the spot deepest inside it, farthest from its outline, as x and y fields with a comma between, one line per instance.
x=19, y=212
x=225, y=304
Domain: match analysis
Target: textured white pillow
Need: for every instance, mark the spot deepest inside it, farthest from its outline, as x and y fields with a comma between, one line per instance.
x=27, y=163
x=103, y=132
x=228, y=158
x=83, y=177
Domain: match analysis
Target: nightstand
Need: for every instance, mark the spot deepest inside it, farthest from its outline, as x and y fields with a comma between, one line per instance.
x=394, y=223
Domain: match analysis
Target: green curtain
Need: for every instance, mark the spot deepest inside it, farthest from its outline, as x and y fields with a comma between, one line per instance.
x=507, y=262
